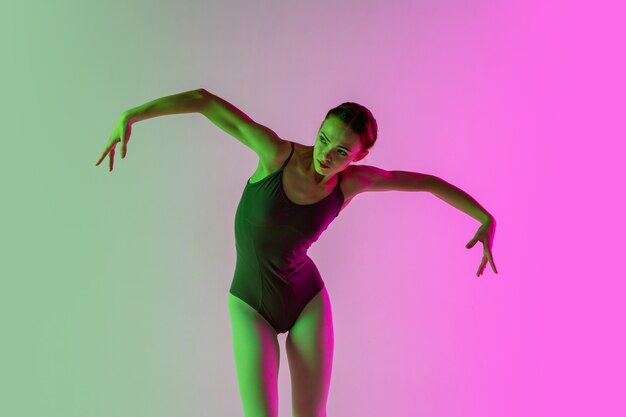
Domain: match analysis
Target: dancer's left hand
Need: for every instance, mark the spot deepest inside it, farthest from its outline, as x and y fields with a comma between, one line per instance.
x=485, y=235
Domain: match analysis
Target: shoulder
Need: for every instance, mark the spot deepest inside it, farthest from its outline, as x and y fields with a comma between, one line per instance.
x=363, y=178
x=366, y=174
x=354, y=181
x=281, y=152
x=371, y=178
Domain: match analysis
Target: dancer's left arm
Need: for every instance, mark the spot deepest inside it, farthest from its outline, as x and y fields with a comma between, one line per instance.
x=377, y=179
x=464, y=202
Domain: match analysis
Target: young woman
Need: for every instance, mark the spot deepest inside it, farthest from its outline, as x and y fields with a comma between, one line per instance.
x=291, y=198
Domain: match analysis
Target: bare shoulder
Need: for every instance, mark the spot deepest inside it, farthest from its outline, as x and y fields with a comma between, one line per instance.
x=370, y=178
x=273, y=160
x=282, y=151
x=266, y=143
x=354, y=181
x=366, y=177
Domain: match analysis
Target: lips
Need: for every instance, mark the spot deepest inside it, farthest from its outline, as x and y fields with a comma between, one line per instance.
x=322, y=165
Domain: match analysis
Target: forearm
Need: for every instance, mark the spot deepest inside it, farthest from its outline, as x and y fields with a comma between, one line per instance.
x=186, y=102
x=459, y=199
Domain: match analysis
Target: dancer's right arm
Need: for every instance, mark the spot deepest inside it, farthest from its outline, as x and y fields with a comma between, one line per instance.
x=261, y=139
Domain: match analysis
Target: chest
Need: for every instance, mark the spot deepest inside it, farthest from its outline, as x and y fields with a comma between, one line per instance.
x=298, y=187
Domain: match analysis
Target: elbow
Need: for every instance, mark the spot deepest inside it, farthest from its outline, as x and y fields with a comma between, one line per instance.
x=200, y=93
x=203, y=98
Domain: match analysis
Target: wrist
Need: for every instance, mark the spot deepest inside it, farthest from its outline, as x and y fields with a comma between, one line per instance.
x=488, y=218
x=129, y=116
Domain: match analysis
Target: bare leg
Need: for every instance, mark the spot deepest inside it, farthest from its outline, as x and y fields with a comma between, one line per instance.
x=257, y=357
x=310, y=345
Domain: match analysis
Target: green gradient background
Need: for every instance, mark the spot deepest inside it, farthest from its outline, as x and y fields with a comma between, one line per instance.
x=114, y=284
x=104, y=272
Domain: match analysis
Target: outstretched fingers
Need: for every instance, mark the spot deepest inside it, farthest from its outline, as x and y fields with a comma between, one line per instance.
x=104, y=154
x=111, y=152
x=487, y=256
x=111, y=159
x=481, y=267
x=493, y=265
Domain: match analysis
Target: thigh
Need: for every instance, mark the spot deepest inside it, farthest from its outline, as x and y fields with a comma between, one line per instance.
x=257, y=356
x=310, y=345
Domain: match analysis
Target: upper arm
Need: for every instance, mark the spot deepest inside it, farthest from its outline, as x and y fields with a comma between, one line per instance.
x=261, y=139
x=371, y=178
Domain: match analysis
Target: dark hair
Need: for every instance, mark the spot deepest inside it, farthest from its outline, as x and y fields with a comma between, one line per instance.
x=359, y=119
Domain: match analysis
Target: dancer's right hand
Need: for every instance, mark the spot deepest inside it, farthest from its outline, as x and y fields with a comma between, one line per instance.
x=122, y=129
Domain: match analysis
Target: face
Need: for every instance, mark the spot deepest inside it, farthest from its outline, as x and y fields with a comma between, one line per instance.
x=337, y=146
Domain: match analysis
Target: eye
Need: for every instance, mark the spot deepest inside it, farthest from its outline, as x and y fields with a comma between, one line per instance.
x=343, y=153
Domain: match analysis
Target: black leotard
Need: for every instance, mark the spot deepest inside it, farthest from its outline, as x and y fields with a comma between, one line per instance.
x=273, y=273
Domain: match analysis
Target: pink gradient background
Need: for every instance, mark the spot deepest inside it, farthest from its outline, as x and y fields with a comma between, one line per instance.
x=518, y=103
